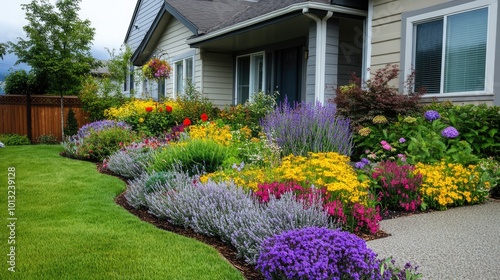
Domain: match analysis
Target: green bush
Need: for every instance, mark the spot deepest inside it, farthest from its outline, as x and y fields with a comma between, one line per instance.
x=193, y=157
x=47, y=139
x=479, y=125
x=97, y=96
x=14, y=139
x=361, y=102
x=71, y=127
x=156, y=179
x=251, y=113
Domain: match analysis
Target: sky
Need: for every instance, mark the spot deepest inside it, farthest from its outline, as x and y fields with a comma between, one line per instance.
x=110, y=18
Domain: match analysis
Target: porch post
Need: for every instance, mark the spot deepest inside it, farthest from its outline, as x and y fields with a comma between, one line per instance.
x=321, y=28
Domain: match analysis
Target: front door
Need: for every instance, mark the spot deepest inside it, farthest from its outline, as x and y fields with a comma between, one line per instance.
x=288, y=75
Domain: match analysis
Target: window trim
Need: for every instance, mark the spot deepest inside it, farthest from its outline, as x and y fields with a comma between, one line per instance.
x=184, y=68
x=409, y=42
x=252, y=76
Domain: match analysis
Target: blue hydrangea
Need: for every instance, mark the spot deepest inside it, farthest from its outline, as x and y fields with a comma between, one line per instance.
x=362, y=163
x=450, y=132
x=432, y=115
x=317, y=253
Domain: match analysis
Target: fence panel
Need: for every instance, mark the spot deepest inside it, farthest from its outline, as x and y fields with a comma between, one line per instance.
x=45, y=114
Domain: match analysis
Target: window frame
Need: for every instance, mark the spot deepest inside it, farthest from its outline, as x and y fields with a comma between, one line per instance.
x=409, y=42
x=251, y=89
x=175, y=84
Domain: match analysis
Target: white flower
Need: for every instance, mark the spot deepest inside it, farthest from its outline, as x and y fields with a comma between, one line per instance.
x=2, y=145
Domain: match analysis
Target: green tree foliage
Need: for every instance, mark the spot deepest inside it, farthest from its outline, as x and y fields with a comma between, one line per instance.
x=57, y=44
x=22, y=82
x=3, y=50
x=104, y=92
x=18, y=82
x=71, y=127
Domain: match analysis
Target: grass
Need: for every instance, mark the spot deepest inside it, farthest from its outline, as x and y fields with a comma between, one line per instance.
x=68, y=227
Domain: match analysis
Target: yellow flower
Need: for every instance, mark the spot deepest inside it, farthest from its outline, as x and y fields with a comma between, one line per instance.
x=365, y=131
x=379, y=119
x=141, y=120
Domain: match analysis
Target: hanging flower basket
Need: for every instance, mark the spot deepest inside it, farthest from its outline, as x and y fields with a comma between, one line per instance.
x=156, y=69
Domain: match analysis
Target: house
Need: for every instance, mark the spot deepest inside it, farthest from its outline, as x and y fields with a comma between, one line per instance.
x=452, y=45
x=230, y=49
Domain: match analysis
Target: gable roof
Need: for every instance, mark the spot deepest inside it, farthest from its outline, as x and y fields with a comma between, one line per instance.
x=207, y=19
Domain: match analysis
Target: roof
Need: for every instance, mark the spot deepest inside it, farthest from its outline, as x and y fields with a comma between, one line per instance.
x=206, y=15
x=211, y=18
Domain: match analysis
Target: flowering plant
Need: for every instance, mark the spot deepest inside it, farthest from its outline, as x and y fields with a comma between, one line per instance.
x=397, y=186
x=156, y=69
x=317, y=253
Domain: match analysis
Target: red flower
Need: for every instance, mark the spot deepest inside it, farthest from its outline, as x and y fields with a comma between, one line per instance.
x=204, y=117
x=168, y=108
x=149, y=109
x=161, y=110
x=186, y=122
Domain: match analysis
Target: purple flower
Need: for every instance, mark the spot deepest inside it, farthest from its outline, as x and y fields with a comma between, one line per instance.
x=362, y=163
x=402, y=140
x=432, y=115
x=450, y=132
x=317, y=253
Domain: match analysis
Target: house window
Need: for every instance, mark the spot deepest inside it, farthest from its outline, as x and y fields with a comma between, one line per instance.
x=183, y=74
x=249, y=76
x=452, y=50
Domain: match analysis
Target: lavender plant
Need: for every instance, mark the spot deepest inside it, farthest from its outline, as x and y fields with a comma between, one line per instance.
x=135, y=191
x=130, y=161
x=98, y=140
x=233, y=214
x=317, y=253
x=308, y=128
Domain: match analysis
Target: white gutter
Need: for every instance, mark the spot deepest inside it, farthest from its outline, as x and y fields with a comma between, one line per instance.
x=277, y=13
x=321, y=27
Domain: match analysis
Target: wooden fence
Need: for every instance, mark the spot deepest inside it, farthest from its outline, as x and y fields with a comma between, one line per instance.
x=45, y=114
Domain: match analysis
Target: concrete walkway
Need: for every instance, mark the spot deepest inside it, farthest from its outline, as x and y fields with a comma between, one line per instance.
x=459, y=243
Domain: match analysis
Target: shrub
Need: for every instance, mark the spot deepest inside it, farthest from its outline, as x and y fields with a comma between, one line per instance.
x=397, y=186
x=47, y=139
x=491, y=173
x=193, y=157
x=361, y=102
x=71, y=127
x=317, y=253
x=132, y=160
x=249, y=114
x=308, y=128
x=98, y=140
x=477, y=124
x=98, y=96
x=14, y=139
x=451, y=184
x=231, y=213
x=146, y=116
x=424, y=138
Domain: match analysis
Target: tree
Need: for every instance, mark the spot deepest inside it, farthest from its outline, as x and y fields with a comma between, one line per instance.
x=101, y=93
x=58, y=44
x=3, y=50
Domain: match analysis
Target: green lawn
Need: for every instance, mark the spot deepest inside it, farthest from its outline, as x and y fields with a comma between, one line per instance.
x=68, y=227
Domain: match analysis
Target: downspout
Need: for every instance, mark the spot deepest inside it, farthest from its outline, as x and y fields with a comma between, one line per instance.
x=321, y=27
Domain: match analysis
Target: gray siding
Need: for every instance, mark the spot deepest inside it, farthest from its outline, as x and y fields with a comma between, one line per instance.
x=332, y=56
x=218, y=77
x=311, y=64
x=146, y=14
